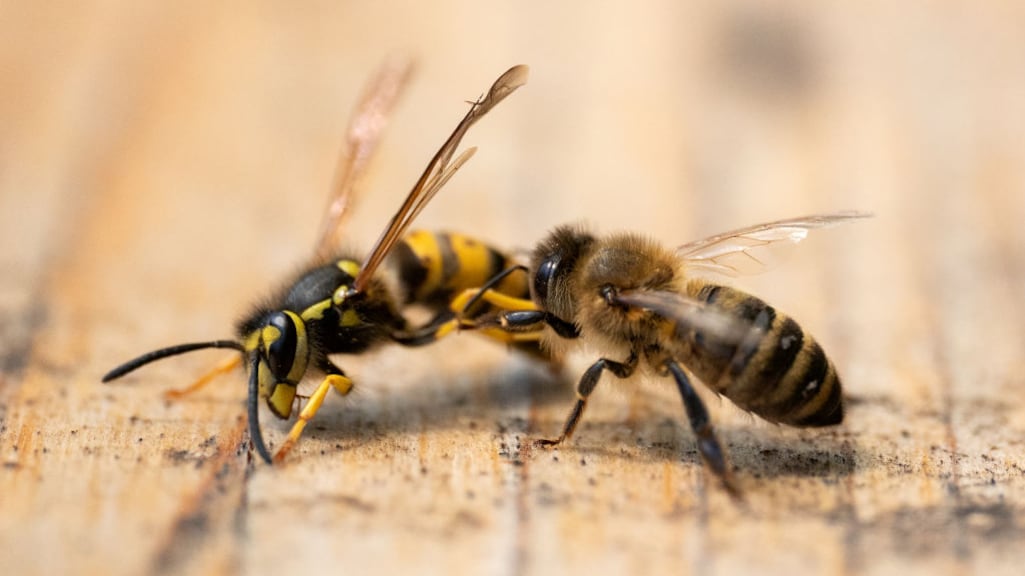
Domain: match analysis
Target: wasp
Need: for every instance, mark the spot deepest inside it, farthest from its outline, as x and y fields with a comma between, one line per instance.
x=647, y=306
x=340, y=303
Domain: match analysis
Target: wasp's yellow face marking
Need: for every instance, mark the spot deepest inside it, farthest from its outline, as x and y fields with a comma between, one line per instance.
x=302, y=354
x=284, y=355
x=265, y=378
x=281, y=399
x=269, y=335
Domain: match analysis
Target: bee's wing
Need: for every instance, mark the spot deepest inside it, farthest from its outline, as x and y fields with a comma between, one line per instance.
x=366, y=126
x=754, y=249
x=437, y=173
x=688, y=314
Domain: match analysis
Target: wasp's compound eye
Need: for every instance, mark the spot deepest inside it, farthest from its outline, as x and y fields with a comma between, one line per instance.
x=280, y=339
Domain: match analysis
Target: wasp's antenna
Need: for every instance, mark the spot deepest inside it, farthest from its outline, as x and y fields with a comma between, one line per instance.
x=253, y=404
x=155, y=355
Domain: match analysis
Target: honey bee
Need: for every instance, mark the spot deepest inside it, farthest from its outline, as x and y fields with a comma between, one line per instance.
x=341, y=304
x=640, y=304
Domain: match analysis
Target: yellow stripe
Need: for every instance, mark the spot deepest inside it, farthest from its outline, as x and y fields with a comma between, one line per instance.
x=500, y=300
x=298, y=368
x=349, y=267
x=474, y=263
x=350, y=318
x=316, y=311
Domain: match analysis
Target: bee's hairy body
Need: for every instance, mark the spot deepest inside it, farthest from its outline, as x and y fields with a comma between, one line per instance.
x=775, y=370
x=779, y=372
x=641, y=306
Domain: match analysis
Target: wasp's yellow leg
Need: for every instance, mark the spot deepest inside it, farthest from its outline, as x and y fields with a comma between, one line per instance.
x=224, y=367
x=339, y=382
x=498, y=299
x=489, y=327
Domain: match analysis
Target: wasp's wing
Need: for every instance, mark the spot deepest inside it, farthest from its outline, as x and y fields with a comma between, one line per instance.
x=756, y=248
x=437, y=173
x=688, y=314
x=366, y=126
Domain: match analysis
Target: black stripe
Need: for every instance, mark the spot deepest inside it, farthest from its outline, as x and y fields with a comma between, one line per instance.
x=831, y=412
x=496, y=262
x=411, y=270
x=751, y=342
x=718, y=351
x=816, y=371
x=787, y=339
x=709, y=293
x=450, y=263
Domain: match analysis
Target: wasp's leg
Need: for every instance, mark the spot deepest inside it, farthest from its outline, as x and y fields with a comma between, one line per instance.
x=336, y=379
x=491, y=328
x=584, y=389
x=462, y=305
x=708, y=444
x=224, y=367
x=494, y=327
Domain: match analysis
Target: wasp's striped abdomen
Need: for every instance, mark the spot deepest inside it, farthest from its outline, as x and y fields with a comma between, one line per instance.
x=774, y=369
x=434, y=267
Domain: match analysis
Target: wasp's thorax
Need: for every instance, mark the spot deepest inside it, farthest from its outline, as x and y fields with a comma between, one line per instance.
x=320, y=314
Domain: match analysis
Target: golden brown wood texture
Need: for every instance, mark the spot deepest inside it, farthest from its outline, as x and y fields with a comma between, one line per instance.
x=163, y=166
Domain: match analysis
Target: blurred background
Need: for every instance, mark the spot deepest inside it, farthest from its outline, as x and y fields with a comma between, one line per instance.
x=162, y=164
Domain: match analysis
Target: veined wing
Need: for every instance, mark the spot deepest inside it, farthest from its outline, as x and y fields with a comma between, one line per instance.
x=437, y=173
x=754, y=249
x=366, y=126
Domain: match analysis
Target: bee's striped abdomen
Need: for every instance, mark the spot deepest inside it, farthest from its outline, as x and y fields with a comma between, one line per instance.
x=774, y=370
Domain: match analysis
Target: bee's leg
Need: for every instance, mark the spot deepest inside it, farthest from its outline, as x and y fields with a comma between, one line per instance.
x=584, y=389
x=531, y=320
x=526, y=328
x=336, y=379
x=708, y=445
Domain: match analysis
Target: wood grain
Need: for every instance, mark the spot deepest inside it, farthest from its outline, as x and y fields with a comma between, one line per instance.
x=163, y=166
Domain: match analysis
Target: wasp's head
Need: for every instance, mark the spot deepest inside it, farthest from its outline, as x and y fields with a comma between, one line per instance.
x=281, y=353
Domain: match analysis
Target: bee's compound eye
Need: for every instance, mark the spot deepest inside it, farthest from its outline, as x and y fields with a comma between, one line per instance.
x=543, y=279
x=280, y=340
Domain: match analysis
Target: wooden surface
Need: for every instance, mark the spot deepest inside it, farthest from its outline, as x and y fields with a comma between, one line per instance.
x=163, y=166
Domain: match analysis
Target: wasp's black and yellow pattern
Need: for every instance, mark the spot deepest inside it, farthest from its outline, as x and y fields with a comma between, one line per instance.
x=342, y=304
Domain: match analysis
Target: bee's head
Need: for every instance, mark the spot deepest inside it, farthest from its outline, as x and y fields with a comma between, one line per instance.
x=553, y=263
x=282, y=354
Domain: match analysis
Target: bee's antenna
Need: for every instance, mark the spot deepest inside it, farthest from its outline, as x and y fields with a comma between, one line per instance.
x=155, y=355
x=253, y=404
